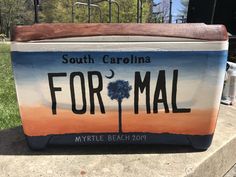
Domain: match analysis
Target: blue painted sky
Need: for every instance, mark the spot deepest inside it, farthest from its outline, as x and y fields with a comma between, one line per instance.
x=185, y=61
x=199, y=72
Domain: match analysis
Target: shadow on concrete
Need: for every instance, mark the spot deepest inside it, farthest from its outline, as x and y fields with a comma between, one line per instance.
x=12, y=142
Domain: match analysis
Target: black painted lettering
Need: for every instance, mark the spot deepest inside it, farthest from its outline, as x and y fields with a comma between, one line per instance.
x=54, y=89
x=72, y=60
x=65, y=59
x=93, y=91
x=160, y=87
x=174, y=93
x=90, y=59
x=72, y=90
x=105, y=59
x=141, y=85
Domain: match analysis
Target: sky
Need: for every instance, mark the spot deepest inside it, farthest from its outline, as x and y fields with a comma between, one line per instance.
x=176, y=6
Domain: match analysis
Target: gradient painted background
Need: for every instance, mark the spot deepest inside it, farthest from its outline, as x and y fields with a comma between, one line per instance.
x=200, y=83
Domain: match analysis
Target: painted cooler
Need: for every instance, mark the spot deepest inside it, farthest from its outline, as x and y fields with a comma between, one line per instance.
x=119, y=83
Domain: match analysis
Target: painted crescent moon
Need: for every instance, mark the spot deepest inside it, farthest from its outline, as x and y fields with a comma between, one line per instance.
x=112, y=74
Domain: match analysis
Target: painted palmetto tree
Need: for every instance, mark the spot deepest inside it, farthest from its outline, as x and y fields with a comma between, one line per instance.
x=119, y=90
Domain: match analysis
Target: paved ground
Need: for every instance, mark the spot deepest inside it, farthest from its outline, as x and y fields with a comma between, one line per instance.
x=231, y=172
x=131, y=161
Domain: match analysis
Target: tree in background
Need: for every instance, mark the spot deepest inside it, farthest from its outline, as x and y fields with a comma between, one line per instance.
x=161, y=11
x=13, y=12
x=53, y=11
x=184, y=9
x=165, y=5
x=61, y=11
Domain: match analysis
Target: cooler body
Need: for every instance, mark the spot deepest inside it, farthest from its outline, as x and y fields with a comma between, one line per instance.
x=119, y=90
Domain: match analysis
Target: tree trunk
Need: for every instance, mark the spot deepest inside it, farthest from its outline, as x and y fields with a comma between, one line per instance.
x=120, y=119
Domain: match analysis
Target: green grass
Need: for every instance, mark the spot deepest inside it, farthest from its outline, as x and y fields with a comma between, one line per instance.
x=9, y=113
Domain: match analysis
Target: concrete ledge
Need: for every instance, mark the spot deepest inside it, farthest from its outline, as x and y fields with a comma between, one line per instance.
x=158, y=160
x=231, y=172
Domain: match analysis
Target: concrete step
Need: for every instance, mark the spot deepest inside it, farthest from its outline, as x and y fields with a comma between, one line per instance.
x=156, y=160
x=231, y=172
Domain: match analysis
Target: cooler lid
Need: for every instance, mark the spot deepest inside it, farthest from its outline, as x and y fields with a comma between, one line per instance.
x=68, y=32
